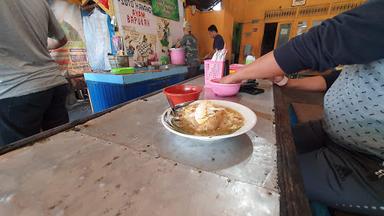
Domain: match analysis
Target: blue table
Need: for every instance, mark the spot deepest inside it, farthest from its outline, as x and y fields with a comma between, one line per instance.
x=107, y=90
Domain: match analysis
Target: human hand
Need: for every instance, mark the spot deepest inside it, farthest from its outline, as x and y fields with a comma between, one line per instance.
x=208, y=56
x=229, y=79
x=77, y=83
x=178, y=44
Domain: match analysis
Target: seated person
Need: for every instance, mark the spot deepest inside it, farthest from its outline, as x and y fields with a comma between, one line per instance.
x=344, y=169
x=308, y=136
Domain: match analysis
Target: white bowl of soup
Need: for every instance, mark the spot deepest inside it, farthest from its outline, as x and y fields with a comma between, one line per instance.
x=210, y=120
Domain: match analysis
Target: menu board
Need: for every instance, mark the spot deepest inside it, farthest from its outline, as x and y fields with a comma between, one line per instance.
x=166, y=8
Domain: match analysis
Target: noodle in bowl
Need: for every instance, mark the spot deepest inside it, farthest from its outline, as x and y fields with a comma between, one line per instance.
x=210, y=120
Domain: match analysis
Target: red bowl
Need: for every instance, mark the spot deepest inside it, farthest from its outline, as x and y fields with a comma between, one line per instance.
x=178, y=94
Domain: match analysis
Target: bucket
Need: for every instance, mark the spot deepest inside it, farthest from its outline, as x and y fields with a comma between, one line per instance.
x=177, y=56
x=249, y=59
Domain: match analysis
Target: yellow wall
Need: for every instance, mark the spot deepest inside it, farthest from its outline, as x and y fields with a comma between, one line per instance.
x=235, y=7
x=245, y=11
x=256, y=8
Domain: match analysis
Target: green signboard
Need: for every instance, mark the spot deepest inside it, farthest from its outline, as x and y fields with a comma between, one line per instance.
x=166, y=8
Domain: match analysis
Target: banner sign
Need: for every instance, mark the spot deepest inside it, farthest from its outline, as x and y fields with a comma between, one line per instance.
x=137, y=14
x=146, y=36
x=166, y=8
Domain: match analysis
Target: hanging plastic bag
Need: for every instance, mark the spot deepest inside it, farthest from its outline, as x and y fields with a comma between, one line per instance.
x=97, y=39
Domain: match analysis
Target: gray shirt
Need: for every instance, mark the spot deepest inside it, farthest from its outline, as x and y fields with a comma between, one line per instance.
x=354, y=108
x=25, y=63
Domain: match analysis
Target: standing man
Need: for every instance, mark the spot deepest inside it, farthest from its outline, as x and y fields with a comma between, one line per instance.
x=218, y=41
x=32, y=89
x=189, y=43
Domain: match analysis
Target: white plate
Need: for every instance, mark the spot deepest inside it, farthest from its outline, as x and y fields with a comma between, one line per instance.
x=248, y=115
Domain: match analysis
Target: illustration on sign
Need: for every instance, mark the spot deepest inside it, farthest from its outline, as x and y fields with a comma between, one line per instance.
x=142, y=46
x=145, y=1
x=163, y=32
x=166, y=8
x=160, y=34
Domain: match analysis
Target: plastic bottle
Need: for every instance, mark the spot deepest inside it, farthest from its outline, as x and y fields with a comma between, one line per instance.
x=249, y=59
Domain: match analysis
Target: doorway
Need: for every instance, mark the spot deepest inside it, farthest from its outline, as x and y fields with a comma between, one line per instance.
x=269, y=37
x=302, y=27
x=284, y=33
x=236, y=42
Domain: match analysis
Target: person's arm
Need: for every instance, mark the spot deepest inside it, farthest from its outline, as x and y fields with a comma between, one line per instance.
x=178, y=44
x=315, y=83
x=56, y=35
x=210, y=54
x=55, y=44
x=353, y=37
x=182, y=42
x=264, y=67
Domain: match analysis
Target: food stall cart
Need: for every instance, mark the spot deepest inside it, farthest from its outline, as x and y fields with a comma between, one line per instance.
x=107, y=90
x=124, y=162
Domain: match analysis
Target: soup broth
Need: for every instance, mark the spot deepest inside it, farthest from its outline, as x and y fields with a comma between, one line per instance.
x=213, y=120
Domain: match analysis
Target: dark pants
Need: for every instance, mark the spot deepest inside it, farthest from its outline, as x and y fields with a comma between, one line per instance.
x=193, y=71
x=331, y=176
x=24, y=116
